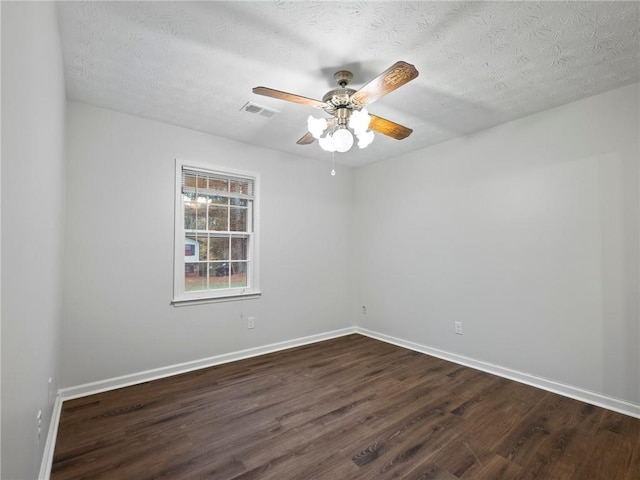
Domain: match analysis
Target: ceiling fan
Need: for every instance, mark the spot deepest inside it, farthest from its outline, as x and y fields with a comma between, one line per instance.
x=347, y=109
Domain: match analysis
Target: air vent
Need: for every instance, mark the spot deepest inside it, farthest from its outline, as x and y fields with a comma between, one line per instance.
x=259, y=110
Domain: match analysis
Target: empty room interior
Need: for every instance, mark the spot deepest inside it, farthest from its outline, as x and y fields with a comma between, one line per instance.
x=320, y=240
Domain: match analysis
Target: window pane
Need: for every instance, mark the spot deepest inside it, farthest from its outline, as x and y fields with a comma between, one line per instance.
x=218, y=218
x=218, y=248
x=202, y=183
x=208, y=199
x=190, y=209
x=239, y=186
x=189, y=180
x=202, y=242
x=195, y=276
x=238, y=218
x=191, y=249
x=201, y=219
x=218, y=184
x=219, y=200
x=239, y=202
x=218, y=275
x=239, y=248
x=238, y=274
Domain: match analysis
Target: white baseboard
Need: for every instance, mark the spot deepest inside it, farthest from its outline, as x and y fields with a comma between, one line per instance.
x=157, y=373
x=594, y=398
x=49, y=446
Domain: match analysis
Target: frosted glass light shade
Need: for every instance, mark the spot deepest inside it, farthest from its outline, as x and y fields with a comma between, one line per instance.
x=342, y=140
x=365, y=138
x=316, y=126
x=359, y=121
x=326, y=143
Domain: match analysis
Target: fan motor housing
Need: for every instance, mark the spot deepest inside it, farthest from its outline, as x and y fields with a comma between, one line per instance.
x=337, y=98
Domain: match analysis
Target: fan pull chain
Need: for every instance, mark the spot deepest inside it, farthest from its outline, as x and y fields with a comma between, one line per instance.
x=333, y=164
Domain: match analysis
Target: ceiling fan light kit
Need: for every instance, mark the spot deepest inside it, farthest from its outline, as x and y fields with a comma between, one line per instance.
x=346, y=106
x=341, y=139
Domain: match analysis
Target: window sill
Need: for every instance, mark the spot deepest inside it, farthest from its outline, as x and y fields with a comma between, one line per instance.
x=184, y=302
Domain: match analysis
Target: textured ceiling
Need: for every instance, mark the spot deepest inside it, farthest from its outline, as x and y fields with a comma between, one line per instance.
x=194, y=64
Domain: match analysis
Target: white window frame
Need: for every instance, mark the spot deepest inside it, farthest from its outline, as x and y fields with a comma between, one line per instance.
x=252, y=290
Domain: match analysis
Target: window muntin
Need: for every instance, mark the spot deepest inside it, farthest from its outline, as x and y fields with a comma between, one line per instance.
x=216, y=241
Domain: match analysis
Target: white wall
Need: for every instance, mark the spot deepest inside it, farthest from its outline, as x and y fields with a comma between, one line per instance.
x=33, y=109
x=119, y=249
x=527, y=233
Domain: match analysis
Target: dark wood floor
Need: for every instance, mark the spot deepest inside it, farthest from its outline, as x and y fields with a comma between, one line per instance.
x=349, y=408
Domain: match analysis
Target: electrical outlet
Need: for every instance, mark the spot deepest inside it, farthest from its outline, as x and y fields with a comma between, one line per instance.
x=38, y=427
x=457, y=327
x=251, y=322
x=364, y=309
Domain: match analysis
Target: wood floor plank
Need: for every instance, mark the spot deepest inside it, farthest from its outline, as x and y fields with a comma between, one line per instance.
x=542, y=436
x=349, y=408
x=495, y=468
x=406, y=441
x=633, y=472
x=615, y=449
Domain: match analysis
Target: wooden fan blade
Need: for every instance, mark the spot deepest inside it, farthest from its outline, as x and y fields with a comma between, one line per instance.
x=389, y=128
x=289, y=97
x=306, y=139
x=397, y=75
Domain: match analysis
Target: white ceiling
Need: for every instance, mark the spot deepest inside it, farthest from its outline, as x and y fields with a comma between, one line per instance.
x=193, y=64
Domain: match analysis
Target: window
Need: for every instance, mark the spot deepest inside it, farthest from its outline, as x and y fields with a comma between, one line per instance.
x=215, y=234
